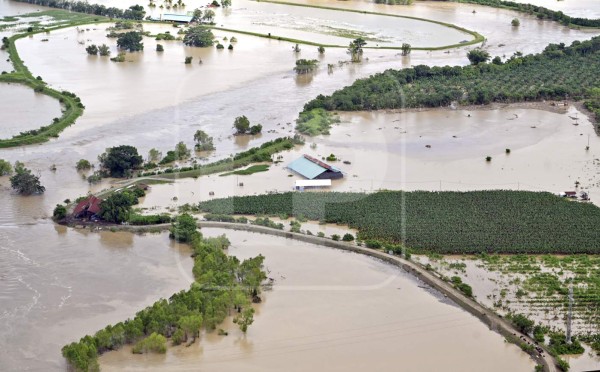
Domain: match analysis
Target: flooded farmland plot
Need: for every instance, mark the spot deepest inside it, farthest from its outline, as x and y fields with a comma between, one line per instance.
x=537, y=287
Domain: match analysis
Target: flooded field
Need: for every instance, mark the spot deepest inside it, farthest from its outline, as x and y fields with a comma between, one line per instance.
x=337, y=27
x=366, y=315
x=536, y=287
x=390, y=151
x=23, y=109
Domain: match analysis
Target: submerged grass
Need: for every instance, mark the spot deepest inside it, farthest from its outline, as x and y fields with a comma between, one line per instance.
x=248, y=171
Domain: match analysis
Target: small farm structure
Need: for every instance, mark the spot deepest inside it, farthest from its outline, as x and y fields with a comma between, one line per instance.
x=87, y=208
x=314, y=169
x=301, y=185
x=177, y=18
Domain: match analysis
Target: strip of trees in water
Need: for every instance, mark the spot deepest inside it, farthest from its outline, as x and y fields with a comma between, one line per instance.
x=559, y=72
x=441, y=222
x=224, y=286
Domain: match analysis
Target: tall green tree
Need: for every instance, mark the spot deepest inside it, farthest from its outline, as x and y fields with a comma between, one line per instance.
x=198, y=36
x=406, y=49
x=191, y=325
x=154, y=155
x=355, y=49
x=24, y=182
x=131, y=41
x=304, y=66
x=477, y=56
x=241, y=124
x=208, y=16
x=120, y=161
x=245, y=319
x=225, y=3
x=5, y=168
x=181, y=151
x=184, y=229
x=203, y=141
x=197, y=15
x=117, y=207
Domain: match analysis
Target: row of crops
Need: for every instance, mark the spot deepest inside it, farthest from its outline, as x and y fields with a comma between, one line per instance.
x=441, y=222
x=559, y=72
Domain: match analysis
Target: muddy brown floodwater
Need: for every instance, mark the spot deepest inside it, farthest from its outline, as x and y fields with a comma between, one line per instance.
x=337, y=311
x=58, y=284
x=390, y=151
x=23, y=109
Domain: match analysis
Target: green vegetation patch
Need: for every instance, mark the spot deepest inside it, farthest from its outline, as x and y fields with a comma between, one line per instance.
x=442, y=222
x=316, y=121
x=258, y=154
x=223, y=285
x=559, y=72
x=248, y=171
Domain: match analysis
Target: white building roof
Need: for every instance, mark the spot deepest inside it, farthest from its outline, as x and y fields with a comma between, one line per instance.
x=313, y=183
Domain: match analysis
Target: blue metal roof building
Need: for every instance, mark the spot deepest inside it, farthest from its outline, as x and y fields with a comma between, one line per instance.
x=311, y=168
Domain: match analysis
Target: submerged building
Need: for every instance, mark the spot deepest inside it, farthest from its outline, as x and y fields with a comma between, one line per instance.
x=314, y=169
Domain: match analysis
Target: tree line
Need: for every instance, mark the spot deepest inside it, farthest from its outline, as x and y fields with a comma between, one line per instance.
x=559, y=72
x=224, y=286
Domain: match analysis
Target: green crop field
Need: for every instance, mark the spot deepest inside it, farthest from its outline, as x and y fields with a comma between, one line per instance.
x=442, y=222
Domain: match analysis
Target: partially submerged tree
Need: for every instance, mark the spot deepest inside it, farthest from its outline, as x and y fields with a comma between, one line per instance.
x=208, y=16
x=24, y=182
x=184, y=229
x=256, y=129
x=356, y=49
x=5, y=168
x=198, y=36
x=104, y=50
x=182, y=151
x=245, y=319
x=197, y=16
x=59, y=213
x=154, y=155
x=406, y=49
x=203, y=141
x=304, y=66
x=241, y=124
x=131, y=41
x=117, y=207
x=120, y=161
x=83, y=165
x=92, y=49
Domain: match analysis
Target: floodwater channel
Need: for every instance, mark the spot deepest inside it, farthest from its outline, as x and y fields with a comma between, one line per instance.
x=337, y=311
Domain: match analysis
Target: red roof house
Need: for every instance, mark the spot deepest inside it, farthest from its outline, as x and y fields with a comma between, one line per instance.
x=87, y=208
